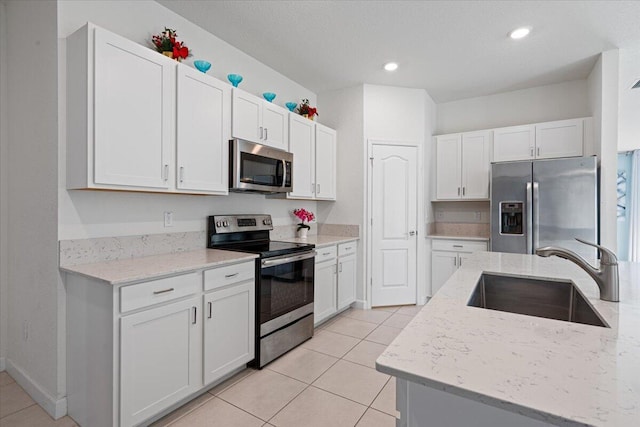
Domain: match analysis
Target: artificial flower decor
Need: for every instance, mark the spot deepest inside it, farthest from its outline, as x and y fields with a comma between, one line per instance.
x=304, y=109
x=168, y=44
x=304, y=216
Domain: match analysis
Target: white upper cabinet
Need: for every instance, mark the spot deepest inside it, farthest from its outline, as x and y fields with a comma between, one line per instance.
x=203, y=132
x=302, y=143
x=448, y=166
x=257, y=120
x=563, y=138
x=131, y=110
x=514, y=143
x=463, y=163
x=325, y=163
x=121, y=99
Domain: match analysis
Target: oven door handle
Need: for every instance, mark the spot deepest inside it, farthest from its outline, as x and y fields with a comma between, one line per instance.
x=287, y=259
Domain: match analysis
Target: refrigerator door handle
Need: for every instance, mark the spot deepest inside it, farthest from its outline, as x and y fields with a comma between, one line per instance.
x=536, y=217
x=529, y=219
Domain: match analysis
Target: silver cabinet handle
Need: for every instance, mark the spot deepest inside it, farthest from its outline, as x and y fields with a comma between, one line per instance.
x=195, y=315
x=538, y=151
x=460, y=262
x=531, y=150
x=210, y=309
x=326, y=253
x=348, y=248
x=411, y=233
x=228, y=276
x=463, y=190
x=266, y=134
x=313, y=188
x=340, y=267
x=458, y=246
x=260, y=132
x=318, y=188
x=454, y=261
x=164, y=291
x=165, y=172
x=181, y=173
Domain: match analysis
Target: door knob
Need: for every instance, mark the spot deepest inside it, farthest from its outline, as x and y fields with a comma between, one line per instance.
x=412, y=233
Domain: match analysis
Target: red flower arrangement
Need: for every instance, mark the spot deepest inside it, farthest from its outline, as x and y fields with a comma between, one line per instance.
x=305, y=109
x=304, y=216
x=167, y=42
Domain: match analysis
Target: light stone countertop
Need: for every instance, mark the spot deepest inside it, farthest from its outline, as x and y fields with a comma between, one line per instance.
x=321, y=240
x=131, y=270
x=562, y=373
x=451, y=237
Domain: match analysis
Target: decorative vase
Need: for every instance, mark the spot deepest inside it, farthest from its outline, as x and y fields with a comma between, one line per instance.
x=168, y=53
x=302, y=233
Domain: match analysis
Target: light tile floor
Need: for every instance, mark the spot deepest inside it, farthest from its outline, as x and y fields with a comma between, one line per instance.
x=329, y=380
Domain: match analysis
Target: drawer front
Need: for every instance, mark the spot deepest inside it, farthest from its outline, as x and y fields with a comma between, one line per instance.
x=149, y=293
x=326, y=254
x=347, y=248
x=228, y=275
x=458, y=245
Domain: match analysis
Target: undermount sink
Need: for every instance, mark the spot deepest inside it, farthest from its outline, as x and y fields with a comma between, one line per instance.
x=552, y=299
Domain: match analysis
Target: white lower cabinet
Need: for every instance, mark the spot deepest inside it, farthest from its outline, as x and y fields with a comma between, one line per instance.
x=229, y=328
x=160, y=359
x=136, y=351
x=447, y=256
x=335, y=280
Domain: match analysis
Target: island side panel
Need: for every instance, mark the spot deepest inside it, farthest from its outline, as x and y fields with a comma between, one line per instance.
x=420, y=406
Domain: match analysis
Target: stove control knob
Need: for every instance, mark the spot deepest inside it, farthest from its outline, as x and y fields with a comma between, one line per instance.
x=266, y=221
x=219, y=224
x=225, y=223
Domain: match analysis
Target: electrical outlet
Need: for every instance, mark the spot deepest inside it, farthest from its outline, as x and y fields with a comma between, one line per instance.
x=478, y=216
x=168, y=219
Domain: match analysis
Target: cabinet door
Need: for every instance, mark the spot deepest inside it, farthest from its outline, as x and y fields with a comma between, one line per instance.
x=443, y=265
x=513, y=143
x=325, y=163
x=246, y=117
x=476, y=148
x=161, y=359
x=204, y=109
x=325, y=290
x=302, y=145
x=463, y=257
x=133, y=113
x=275, y=123
x=448, y=167
x=229, y=330
x=563, y=138
x=346, y=281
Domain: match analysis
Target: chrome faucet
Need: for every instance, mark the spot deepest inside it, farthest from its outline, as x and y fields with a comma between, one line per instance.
x=606, y=277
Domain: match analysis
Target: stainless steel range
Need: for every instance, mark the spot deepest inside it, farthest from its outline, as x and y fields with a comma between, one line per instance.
x=284, y=281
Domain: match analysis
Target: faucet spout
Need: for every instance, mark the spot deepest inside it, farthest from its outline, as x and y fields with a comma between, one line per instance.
x=606, y=277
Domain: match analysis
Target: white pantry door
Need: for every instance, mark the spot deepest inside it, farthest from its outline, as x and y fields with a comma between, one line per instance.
x=394, y=224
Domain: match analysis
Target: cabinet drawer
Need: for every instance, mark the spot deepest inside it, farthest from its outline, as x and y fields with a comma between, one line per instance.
x=228, y=275
x=458, y=245
x=347, y=248
x=158, y=291
x=326, y=254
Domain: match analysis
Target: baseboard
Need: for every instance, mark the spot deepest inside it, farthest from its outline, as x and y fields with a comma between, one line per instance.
x=2, y=364
x=57, y=408
x=361, y=304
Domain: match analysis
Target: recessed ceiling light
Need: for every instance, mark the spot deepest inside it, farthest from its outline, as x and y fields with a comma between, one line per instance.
x=391, y=66
x=519, y=33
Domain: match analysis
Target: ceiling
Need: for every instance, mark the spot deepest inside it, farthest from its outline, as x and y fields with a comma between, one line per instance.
x=453, y=49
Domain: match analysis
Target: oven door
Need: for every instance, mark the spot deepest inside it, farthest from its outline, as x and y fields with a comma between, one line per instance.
x=255, y=167
x=285, y=290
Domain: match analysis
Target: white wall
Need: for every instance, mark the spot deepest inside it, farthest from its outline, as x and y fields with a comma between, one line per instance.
x=629, y=113
x=92, y=214
x=33, y=353
x=343, y=110
x=4, y=187
x=539, y=104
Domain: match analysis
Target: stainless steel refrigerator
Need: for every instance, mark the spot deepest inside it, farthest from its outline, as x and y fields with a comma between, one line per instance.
x=544, y=202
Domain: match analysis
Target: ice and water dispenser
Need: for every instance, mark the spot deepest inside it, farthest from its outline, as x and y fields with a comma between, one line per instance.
x=511, y=217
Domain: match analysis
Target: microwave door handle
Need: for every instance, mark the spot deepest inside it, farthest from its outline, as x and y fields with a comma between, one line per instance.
x=284, y=173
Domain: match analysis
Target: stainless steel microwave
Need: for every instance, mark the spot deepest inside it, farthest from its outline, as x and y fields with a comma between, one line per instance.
x=258, y=168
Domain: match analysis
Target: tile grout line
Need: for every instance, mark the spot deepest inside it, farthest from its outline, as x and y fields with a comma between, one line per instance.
x=19, y=410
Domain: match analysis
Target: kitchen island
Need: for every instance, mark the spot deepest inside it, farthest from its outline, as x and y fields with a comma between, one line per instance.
x=458, y=365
